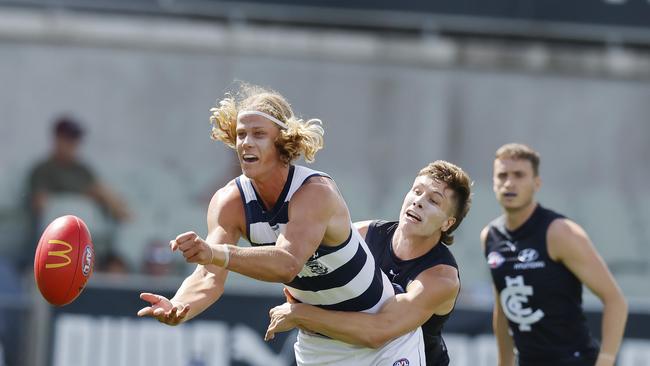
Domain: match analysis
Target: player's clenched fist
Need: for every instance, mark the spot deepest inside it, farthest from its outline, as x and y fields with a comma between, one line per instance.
x=194, y=249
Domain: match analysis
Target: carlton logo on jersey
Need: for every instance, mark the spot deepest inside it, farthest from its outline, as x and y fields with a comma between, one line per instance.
x=514, y=300
x=401, y=362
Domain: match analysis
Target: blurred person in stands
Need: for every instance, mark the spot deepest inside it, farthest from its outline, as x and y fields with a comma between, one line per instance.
x=413, y=252
x=114, y=264
x=299, y=226
x=539, y=261
x=158, y=259
x=62, y=172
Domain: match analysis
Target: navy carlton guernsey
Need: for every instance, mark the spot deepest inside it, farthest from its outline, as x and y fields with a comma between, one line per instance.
x=402, y=272
x=541, y=298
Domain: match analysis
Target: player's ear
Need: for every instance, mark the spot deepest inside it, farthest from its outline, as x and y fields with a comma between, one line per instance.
x=448, y=223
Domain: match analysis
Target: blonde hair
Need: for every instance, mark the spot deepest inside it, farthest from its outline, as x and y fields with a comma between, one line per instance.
x=517, y=151
x=299, y=138
x=459, y=182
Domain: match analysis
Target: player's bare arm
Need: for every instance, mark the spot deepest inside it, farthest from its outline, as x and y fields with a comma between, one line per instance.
x=569, y=244
x=205, y=285
x=505, y=346
x=312, y=214
x=432, y=292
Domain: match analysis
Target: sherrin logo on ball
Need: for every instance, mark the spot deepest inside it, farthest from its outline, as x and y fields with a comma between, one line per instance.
x=64, y=260
x=87, y=263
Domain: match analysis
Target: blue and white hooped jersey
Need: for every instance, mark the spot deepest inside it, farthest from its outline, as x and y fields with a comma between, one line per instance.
x=344, y=277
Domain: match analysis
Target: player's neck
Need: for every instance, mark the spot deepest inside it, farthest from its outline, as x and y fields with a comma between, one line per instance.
x=62, y=159
x=270, y=186
x=516, y=218
x=408, y=247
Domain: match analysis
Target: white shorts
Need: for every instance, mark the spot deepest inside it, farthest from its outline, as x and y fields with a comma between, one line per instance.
x=312, y=350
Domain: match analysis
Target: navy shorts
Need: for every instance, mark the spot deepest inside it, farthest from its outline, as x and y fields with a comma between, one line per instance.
x=587, y=358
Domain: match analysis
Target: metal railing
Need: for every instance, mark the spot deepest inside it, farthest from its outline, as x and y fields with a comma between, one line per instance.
x=595, y=21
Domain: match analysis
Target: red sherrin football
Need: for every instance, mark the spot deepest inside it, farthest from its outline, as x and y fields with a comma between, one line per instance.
x=64, y=260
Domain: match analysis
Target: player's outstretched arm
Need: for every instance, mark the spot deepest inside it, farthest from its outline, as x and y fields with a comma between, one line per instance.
x=569, y=244
x=205, y=285
x=310, y=212
x=163, y=309
x=434, y=289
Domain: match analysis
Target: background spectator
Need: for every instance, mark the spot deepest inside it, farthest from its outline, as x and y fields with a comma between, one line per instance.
x=64, y=184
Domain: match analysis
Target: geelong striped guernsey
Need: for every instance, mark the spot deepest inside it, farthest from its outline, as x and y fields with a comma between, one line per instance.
x=344, y=277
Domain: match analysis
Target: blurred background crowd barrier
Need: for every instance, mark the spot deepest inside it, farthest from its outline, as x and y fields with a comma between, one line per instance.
x=397, y=85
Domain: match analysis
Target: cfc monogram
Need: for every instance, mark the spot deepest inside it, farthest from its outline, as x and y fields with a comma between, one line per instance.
x=514, y=299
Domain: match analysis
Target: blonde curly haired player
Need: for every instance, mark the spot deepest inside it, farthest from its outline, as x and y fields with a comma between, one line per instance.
x=298, y=225
x=296, y=136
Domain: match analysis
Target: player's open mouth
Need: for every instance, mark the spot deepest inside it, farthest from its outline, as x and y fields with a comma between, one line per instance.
x=510, y=194
x=249, y=158
x=413, y=216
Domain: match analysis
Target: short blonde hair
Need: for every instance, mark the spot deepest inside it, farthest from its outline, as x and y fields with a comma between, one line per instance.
x=518, y=151
x=459, y=182
x=299, y=138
